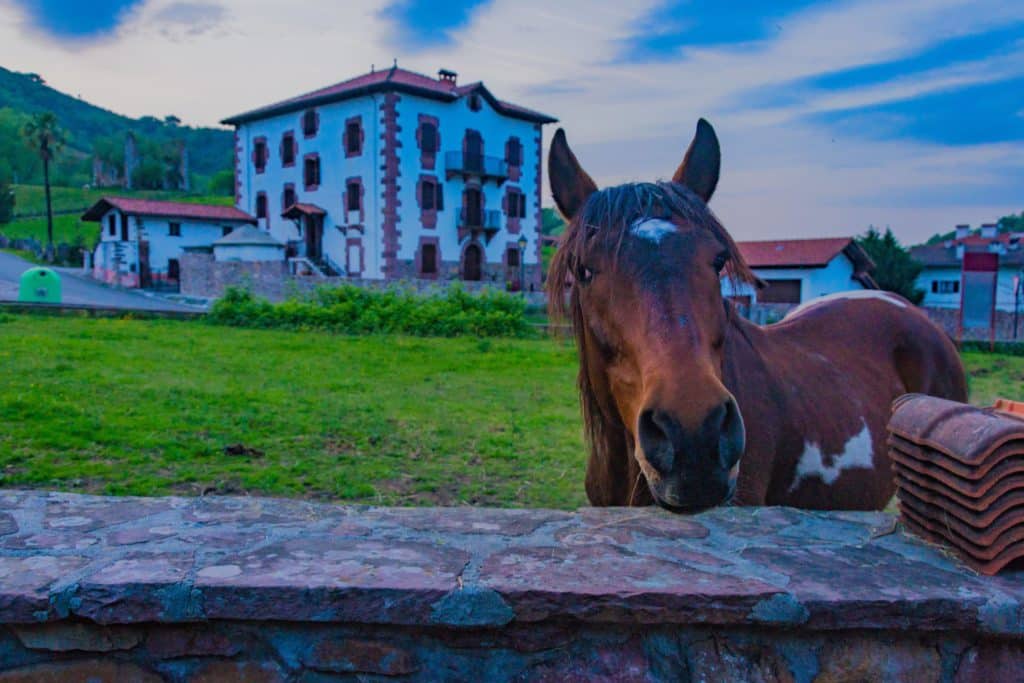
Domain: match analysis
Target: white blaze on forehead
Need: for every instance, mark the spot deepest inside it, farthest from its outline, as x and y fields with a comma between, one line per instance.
x=878, y=294
x=856, y=454
x=653, y=229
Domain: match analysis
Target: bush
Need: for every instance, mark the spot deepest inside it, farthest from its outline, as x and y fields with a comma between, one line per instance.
x=354, y=310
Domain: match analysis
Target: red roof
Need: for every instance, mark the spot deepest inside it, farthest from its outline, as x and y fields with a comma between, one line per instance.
x=793, y=253
x=388, y=80
x=152, y=207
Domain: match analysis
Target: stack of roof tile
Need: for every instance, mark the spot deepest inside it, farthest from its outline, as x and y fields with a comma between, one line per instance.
x=960, y=476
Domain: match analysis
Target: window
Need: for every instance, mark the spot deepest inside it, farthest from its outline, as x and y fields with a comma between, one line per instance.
x=516, y=204
x=261, y=205
x=288, y=198
x=259, y=154
x=353, y=138
x=474, y=102
x=514, y=155
x=112, y=225
x=431, y=196
x=310, y=122
x=512, y=257
x=174, y=229
x=780, y=292
x=353, y=200
x=173, y=269
x=428, y=139
x=124, y=227
x=428, y=259
x=288, y=149
x=311, y=172
x=945, y=286
x=226, y=230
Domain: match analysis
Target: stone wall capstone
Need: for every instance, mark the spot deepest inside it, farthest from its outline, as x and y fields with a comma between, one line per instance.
x=225, y=589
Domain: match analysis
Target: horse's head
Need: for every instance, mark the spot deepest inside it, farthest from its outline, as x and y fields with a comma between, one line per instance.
x=643, y=262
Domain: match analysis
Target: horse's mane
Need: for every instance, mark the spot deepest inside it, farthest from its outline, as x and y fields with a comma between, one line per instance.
x=605, y=218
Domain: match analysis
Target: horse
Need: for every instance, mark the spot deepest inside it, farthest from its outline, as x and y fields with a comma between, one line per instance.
x=677, y=389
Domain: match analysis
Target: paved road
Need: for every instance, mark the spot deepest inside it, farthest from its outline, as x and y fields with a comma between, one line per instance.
x=78, y=289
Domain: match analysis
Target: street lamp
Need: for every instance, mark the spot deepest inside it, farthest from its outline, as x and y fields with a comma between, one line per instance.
x=522, y=242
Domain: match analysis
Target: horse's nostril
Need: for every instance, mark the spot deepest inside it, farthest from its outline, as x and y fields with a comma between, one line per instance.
x=732, y=435
x=655, y=440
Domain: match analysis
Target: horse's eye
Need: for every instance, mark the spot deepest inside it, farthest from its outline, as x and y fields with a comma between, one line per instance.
x=720, y=261
x=584, y=275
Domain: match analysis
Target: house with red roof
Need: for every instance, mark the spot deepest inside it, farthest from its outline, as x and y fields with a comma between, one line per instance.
x=142, y=240
x=397, y=175
x=942, y=275
x=798, y=270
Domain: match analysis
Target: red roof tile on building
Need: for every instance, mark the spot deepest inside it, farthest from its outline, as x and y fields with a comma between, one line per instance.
x=793, y=253
x=393, y=79
x=152, y=207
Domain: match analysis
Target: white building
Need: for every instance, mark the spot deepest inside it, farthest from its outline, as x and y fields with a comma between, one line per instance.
x=795, y=271
x=942, y=275
x=394, y=174
x=142, y=240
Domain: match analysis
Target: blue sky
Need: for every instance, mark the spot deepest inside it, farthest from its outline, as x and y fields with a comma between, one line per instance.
x=832, y=114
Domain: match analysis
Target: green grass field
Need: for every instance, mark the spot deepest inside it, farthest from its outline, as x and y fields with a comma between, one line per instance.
x=30, y=209
x=159, y=407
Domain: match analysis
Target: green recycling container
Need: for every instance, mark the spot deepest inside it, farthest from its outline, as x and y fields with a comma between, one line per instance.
x=39, y=286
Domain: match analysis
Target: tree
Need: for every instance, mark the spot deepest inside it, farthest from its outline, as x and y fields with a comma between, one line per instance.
x=44, y=136
x=895, y=270
x=223, y=183
x=6, y=200
x=1012, y=223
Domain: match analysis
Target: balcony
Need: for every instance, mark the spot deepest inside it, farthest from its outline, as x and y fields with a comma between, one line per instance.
x=476, y=221
x=484, y=167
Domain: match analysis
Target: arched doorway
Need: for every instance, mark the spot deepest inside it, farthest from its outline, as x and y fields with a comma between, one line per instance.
x=472, y=263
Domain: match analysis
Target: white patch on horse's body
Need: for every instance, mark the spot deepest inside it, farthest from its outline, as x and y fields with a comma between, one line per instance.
x=653, y=229
x=878, y=294
x=856, y=453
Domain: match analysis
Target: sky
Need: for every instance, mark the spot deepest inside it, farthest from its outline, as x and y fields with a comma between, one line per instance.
x=832, y=116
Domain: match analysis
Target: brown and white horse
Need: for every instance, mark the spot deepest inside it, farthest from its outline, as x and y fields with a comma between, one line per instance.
x=679, y=390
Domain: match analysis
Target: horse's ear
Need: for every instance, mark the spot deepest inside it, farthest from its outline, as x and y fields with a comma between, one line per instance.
x=570, y=184
x=703, y=160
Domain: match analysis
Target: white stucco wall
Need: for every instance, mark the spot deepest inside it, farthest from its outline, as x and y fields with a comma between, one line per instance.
x=1004, y=287
x=836, y=276
x=454, y=119
x=335, y=169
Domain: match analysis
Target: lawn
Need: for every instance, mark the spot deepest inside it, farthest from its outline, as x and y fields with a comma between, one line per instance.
x=158, y=407
x=30, y=211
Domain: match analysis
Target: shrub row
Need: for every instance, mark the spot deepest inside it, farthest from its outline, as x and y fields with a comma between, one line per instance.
x=355, y=310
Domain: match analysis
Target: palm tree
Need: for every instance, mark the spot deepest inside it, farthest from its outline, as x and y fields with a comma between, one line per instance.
x=44, y=136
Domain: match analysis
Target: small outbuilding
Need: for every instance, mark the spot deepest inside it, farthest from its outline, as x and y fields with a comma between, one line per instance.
x=247, y=243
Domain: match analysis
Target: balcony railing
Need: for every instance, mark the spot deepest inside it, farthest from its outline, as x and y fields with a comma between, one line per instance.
x=475, y=165
x=480, y=220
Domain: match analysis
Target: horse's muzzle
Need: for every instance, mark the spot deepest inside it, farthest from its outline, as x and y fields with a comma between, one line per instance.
x=695, y=469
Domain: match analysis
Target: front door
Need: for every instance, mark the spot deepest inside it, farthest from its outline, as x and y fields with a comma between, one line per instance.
x=471, y=263
x=314, y=235
x=145, y=274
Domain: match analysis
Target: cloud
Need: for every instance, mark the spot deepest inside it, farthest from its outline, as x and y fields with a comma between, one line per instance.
x=72, y=19
x=793, y=162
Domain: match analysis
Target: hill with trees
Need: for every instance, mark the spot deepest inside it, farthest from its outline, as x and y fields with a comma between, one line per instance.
x=93, y=130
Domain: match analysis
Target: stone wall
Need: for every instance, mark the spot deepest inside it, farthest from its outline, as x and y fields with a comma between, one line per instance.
x=203, y=277
x=225, y=589
x=949, y=320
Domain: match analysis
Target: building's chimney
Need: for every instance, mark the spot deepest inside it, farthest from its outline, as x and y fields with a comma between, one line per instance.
x=447, y=76
x=962, y=231
x=989, y=230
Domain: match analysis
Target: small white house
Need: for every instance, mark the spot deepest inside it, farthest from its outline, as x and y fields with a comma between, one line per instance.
x=942, y=275
x=248, y=243
x=141, y=240
x=795, y=271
